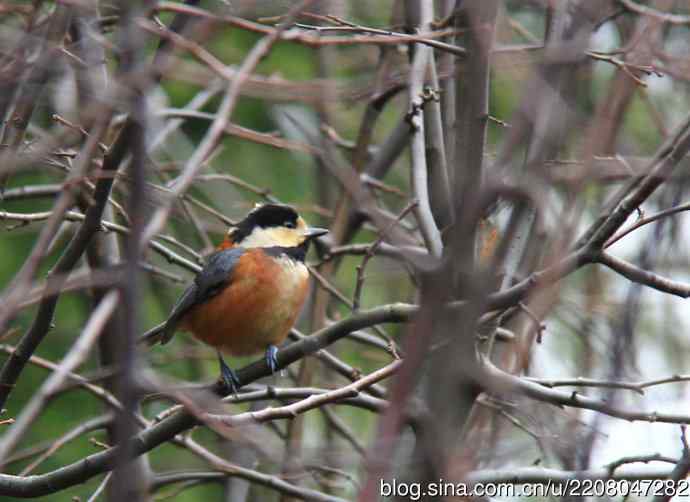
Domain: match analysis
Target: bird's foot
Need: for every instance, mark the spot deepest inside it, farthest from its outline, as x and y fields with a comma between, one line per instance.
x=229, y=377
x=272, y=358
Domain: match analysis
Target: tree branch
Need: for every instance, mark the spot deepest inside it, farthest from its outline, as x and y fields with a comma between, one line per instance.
x=80, y=471
x=644, y=277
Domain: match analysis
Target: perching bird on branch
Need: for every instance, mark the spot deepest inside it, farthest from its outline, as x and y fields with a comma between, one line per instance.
x=248, y=295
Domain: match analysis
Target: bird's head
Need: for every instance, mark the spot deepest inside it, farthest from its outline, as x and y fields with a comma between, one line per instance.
x=271, y=225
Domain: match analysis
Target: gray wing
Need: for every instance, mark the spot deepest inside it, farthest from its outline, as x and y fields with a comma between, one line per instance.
x=213, y=278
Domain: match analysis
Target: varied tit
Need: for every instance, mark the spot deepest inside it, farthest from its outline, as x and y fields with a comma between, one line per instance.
x=248, y=295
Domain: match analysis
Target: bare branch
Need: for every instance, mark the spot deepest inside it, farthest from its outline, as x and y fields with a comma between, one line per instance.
x=644, y=277
x=679, y=472
x=420, y=170
x=72, y=360
x=661, y=16
x=314, y=401
x=501, y=380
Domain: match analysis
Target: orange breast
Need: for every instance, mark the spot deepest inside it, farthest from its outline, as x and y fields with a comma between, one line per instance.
x=258, y=308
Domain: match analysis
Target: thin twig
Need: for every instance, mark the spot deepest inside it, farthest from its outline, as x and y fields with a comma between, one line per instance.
x=299, y=36
x=664, y=17
x=72, y=360
x=371, y=251
x=314, y=401
x=645, y=221
x=214, y=133
x=644, y=277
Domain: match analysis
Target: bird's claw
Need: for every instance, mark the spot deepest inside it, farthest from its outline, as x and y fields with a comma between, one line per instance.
x=272, y=358
x=229, y=377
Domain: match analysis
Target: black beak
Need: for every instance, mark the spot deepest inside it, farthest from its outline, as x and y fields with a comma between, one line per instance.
x=315, y=232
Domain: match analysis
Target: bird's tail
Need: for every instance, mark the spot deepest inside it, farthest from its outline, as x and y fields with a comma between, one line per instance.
x=153, y=336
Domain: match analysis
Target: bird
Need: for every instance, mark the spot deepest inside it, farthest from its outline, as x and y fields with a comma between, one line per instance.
x=248, y=295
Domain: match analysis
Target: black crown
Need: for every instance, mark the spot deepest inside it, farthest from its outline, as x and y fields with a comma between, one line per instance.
x=265, y=216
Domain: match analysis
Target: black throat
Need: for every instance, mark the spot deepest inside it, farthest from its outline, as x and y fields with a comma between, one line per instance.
x=297, y=253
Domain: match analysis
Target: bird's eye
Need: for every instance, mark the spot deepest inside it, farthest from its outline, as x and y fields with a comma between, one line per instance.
x=290, y=224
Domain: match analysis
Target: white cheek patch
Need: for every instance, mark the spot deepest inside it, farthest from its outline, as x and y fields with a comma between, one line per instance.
x=269, y=237
x=258, y=238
